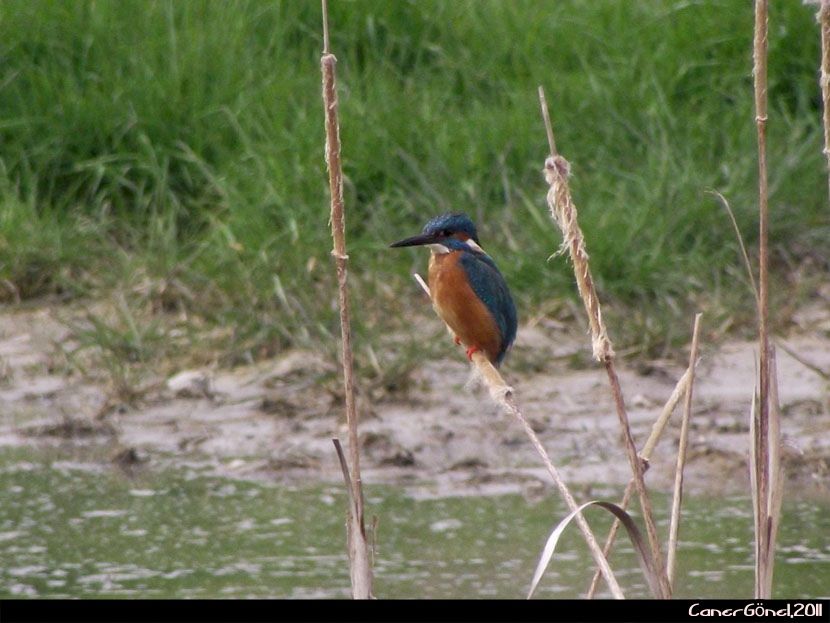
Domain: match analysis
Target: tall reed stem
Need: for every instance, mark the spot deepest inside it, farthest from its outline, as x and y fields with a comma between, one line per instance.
x=564, y=213
x=359, y=560
x=760, y=80
x=645, y=454
x=677, y=500
x=503, y=394
x=766, y=432
x=824, y=23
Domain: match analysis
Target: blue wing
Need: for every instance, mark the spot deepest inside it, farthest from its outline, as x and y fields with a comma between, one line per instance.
x=489, y=285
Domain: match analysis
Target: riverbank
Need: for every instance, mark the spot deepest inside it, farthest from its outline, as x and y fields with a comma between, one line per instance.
x=436, y=434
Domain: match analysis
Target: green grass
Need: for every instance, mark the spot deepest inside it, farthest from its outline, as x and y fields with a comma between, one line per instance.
x=174, y=151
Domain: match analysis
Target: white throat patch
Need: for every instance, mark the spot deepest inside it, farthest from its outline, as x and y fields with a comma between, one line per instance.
x=472, y=244
x=438, y=248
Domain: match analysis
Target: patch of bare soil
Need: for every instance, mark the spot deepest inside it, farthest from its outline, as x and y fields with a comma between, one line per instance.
x=443, y=436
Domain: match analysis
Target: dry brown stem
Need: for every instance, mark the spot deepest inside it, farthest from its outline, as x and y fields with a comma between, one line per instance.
x=761, y=438
x=824, y=23
x=359, y=560
x=776, y=472
x=674, y=525
x=760, y=80
x=502, y=393
x=645, y=455
x=564, y=213
x=766, y=511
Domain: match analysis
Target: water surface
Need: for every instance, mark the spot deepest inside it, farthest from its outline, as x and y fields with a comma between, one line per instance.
x=84, y=529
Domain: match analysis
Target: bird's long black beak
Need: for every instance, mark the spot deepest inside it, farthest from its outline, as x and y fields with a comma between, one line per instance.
x=414, y=241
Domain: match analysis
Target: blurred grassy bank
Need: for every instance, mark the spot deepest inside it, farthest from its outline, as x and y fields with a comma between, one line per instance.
x=169, y=155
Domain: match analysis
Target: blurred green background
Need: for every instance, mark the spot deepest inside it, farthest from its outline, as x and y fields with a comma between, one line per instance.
x=171, y=153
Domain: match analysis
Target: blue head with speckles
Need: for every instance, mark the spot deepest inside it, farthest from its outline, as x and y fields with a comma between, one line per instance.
x=448, y=225
x=451, y=230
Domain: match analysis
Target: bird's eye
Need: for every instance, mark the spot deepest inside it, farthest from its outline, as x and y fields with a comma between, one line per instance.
x=446, y=233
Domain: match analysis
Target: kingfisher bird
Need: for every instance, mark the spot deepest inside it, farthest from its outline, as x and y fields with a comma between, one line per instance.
x=468, y=291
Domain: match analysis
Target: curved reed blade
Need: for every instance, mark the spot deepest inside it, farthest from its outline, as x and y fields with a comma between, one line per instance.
x=634, y=534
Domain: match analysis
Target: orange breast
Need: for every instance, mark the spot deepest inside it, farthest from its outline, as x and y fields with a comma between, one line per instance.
x=459, y=307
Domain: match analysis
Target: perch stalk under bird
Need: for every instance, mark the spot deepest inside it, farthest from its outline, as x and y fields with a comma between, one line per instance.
x=468, y=291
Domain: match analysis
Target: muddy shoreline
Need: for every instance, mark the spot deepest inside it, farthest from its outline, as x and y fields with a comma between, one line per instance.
x=442, y=436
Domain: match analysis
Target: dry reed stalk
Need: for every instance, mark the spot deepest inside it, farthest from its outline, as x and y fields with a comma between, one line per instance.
x=564, y=213
x=766, y=512
x=359, y=560
x=764, y=573
x=776, y=471
x=824, y=23
x=502, y=394
x=765, y=548
x=760, y=82
x=674, y=525
x=645, y=454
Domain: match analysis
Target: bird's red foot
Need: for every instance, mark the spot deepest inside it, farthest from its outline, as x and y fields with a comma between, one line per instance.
x=457, y=340
x=471, y=350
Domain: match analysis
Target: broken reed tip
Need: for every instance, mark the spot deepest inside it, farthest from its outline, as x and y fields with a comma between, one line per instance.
x=557, y=165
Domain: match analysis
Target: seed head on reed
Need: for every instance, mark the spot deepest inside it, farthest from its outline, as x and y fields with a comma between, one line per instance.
x=564, y=213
